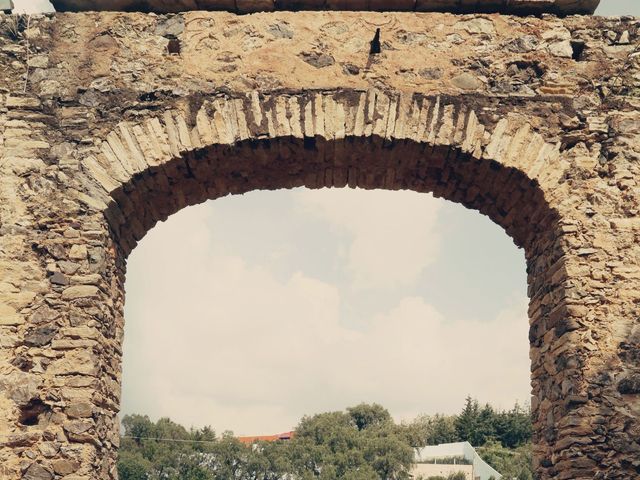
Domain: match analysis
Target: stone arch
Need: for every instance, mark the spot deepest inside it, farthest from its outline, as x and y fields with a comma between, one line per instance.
x=76, y=186
x=228, y=143
x=366, y=139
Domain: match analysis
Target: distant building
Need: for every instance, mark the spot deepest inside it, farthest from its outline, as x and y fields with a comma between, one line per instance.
x=447, y=458
x=427, y=470
x=6, y=6
x=267, y=438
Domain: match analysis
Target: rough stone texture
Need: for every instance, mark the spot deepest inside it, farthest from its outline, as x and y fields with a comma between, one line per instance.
x=112, y=122
x=515, y=7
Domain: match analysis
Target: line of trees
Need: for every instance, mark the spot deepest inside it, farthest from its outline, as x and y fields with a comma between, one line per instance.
x=501, y=437
x=478, y=425
x=361, y=443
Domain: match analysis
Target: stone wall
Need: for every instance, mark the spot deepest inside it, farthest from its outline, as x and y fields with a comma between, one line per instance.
x=112, y=122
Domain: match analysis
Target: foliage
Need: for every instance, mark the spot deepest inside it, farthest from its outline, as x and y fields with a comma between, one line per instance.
x=365, y=416
x=513, y=428
x=451, y=476
x=513, y=464
x=361, y=443
x=163, y=450
x=433, y=430
x=476, y=424
x=133, y=466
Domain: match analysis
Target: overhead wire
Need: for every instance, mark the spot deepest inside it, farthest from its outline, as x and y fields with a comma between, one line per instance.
x=130, y=437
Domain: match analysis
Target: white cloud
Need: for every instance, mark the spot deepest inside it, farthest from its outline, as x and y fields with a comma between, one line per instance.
x=393, y=233
x=213, y=340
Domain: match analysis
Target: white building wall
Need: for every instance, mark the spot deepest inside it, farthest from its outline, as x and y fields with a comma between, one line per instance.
x=431, y=470
x=481, y=469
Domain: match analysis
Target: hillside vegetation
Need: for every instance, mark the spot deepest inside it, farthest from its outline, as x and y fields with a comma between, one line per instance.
x=361, y=443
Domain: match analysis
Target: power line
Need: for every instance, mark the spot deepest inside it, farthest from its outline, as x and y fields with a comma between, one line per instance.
x=176, y=440
x=15, y=436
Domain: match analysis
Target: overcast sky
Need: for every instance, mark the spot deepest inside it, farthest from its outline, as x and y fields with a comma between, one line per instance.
x=249, y=311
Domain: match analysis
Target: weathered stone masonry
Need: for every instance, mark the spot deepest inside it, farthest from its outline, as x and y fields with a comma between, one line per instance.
x=111, y=122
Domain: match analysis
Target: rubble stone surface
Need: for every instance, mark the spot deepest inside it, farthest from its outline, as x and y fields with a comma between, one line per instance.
x=110, y=122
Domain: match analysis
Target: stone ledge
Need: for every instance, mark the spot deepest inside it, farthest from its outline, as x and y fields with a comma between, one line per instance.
x=514, y=7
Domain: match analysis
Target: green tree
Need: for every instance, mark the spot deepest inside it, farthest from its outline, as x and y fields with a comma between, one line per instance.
x=366, y=416
x=514, y=427
x=451, y=476
x=163, y=450
x=268, y=461
x=432, y=430
x=352, y=445
x=474, y=424
x=466, y=423
x=230, y=457
x=512, y=464
x=361, y=443
x=133, y=466
x=389, y=455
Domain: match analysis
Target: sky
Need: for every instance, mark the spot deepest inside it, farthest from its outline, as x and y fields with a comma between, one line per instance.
x=250, y=311
x=247, y=312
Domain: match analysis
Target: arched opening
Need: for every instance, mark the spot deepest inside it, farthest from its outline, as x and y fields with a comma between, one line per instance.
x=370, y=140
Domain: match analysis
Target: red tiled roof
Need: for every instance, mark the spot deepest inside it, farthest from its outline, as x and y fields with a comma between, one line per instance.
x=267, y=438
